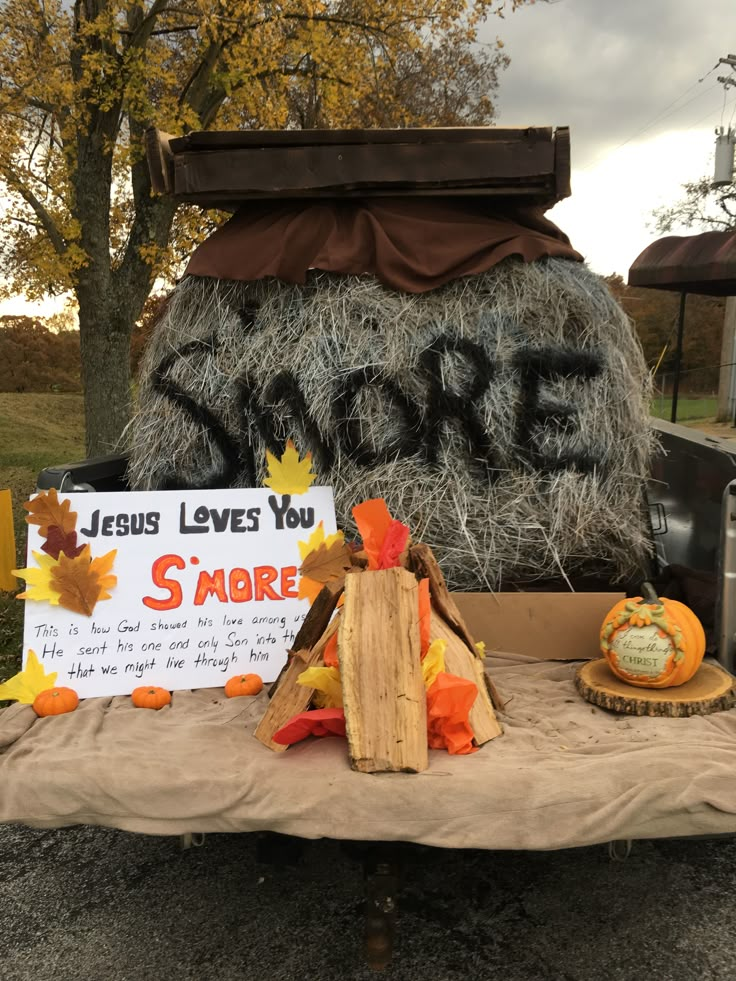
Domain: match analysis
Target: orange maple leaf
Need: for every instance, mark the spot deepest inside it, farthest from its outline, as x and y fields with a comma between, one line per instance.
x=78, y=584
x=101, y=567
x=309, y=589
x=46, y=510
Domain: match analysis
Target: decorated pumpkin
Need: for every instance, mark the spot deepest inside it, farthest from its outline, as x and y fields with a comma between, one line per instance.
x=150, y=697
x=55, y=701
x=244, y=684
x=652, y=642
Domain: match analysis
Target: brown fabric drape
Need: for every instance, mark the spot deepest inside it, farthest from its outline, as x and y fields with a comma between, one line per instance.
x=409, y=244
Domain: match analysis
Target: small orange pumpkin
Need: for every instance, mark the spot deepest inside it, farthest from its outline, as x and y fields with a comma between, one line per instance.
x=150, y=697
x=652, y=642
x=55, y=701
x=243, y=684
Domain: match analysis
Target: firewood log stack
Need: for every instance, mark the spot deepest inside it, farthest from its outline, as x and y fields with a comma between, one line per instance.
x=379, y=652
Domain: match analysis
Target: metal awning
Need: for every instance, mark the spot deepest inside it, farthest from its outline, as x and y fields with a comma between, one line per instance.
x=703, y=263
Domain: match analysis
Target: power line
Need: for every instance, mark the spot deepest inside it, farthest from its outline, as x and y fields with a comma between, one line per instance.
x=663, y=114
x=708, y=114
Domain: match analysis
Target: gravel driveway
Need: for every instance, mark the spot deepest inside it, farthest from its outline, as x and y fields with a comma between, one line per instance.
x=99, y=905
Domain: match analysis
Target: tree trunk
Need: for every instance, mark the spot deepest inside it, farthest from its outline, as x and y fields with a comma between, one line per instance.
x=105, y=350
x=111, y=298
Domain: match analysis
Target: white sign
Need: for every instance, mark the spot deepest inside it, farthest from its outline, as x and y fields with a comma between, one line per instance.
x=207, y=586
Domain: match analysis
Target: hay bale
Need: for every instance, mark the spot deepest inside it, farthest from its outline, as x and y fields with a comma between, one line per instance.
x=504, y=417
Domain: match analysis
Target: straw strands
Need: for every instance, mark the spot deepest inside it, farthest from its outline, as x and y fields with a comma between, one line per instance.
x=504, y=417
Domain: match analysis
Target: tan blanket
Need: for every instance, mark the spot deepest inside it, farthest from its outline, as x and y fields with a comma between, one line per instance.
x=563, y=774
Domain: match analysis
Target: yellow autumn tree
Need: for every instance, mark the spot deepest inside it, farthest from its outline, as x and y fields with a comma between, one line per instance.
x=81, y=80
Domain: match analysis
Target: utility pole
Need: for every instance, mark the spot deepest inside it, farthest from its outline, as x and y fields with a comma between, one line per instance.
x=722, y=177
x=727, y=374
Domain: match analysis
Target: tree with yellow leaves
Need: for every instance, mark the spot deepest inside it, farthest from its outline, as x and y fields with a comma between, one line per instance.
x=81, y=80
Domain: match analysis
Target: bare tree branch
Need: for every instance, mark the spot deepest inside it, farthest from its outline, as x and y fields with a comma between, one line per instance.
x=44, y=217
x=141, y=26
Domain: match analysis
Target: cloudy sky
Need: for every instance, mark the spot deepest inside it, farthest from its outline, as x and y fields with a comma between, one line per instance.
x=623, y=74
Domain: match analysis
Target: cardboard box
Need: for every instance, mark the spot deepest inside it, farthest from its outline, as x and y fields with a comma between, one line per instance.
x=547, y=626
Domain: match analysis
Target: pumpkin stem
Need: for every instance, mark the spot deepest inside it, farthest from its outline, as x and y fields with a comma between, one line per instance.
x=649, y=593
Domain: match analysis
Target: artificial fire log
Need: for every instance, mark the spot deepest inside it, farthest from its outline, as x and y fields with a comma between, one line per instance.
x=291, y=698
x=460, y=661
x=380, y=668
x=426, y=566
x=316, y=621
x=314, y=625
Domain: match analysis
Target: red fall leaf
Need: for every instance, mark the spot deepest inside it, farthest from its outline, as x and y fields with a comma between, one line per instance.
x=58, y=540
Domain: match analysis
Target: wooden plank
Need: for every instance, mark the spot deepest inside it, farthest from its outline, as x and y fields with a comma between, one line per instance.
x=460, y=661
x=523, y=194
x=222, y=169
x=425, y=565
x=380, y=667
x=235, y=172
x=250, y=138
x=562, y=163
x=160, y=160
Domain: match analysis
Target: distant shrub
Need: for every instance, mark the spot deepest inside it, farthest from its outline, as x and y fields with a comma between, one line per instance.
x=36, y=359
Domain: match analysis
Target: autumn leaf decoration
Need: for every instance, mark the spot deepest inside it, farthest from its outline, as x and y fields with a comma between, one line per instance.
x=47, y=511
x=67, y=575
x=289, y=475
x=324, y=559
x=31, y=681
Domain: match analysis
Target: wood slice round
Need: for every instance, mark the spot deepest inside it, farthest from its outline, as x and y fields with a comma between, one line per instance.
x=710, y=690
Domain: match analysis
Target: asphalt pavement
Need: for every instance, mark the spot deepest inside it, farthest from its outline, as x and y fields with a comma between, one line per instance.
x=90, y=904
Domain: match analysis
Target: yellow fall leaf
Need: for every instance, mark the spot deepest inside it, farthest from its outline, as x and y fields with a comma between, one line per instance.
x=39, y=582
x=318, y=538
x=31, y=681
x=290, y=474
x=434, y=662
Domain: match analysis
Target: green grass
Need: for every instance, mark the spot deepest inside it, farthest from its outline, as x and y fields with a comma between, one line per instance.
x=688, y=408
x=36, y=431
